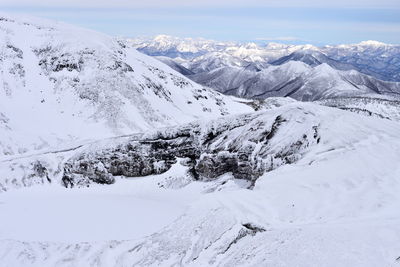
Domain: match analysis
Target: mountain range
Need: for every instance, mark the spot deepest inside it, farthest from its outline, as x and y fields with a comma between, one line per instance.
x=369, y=57
x=304, y=72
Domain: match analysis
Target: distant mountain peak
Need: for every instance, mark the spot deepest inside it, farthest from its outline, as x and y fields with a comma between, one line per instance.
x=307, y=56
x=372, y=43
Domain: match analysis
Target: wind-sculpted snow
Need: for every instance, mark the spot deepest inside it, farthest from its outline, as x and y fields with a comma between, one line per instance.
x=336, y=204
x=69, y=84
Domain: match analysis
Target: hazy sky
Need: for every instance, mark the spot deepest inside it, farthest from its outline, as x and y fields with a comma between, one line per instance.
x=289, y=21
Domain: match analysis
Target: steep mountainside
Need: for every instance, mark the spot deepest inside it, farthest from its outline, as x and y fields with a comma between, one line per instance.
x=71, y=84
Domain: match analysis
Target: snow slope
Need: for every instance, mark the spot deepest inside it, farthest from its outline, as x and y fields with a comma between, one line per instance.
x=72, y=84
x=336, y=205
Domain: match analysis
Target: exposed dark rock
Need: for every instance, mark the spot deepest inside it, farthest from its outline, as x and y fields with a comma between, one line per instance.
x=247, y=230
x=119, y=65
x=41, y=171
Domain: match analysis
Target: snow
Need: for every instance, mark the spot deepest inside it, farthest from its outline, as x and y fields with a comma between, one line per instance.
x=337, y=205
x=130, y=209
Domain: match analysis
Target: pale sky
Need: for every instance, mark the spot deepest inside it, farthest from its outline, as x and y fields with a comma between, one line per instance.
x=288, y=21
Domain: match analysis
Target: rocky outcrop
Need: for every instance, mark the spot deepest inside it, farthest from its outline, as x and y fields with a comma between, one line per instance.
x=246, y=146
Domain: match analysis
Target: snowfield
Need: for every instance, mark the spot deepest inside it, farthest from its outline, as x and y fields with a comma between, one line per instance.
x=337, y=205
x=129, y=209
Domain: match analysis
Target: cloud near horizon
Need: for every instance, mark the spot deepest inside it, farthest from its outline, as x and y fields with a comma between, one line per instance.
x=204, y=3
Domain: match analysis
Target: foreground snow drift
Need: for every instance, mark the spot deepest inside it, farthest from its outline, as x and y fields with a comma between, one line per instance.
x=336, y=205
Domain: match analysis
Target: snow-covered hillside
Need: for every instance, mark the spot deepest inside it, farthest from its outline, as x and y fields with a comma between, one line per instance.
x=62, y=83
x=328, y=197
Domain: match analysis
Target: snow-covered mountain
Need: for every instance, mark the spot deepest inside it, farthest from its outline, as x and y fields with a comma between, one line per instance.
x=190, y=48
x=370, y=57
x=295, y=79
x=312, y=58
x=173, y=47
x=298, y=178
x=62, y=83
